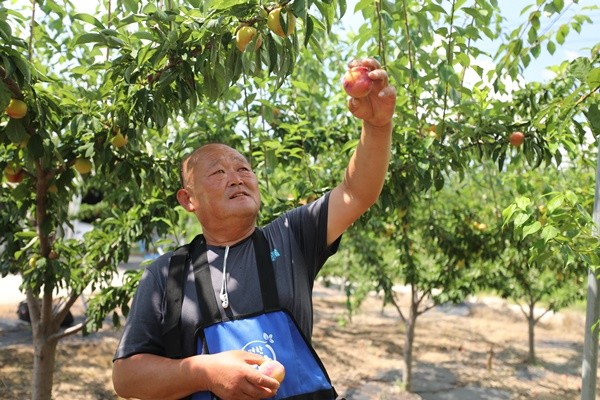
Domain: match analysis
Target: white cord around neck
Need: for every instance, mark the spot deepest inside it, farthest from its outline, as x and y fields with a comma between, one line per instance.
x=224, y=295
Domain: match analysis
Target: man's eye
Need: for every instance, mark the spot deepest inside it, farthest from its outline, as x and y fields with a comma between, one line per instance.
x=219, y=171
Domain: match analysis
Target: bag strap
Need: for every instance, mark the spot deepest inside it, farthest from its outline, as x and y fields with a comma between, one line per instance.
x=207, y=302
x=266, y=271
x=174, y=298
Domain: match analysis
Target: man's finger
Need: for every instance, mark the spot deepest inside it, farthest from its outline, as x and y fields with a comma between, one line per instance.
x=388, y=91
x=370, y=63
x=379, y=75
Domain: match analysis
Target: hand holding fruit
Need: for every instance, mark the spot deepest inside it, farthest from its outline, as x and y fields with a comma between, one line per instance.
x=373, y=99
x=357, y=82
x=230, y=373
x=273, y=368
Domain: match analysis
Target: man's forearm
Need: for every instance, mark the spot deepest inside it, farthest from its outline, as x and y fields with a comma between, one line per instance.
x=147, y=376
x=368, y=165
x=363, y=180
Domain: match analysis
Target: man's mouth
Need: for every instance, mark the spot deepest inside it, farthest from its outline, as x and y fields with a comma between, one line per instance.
x=239, y=194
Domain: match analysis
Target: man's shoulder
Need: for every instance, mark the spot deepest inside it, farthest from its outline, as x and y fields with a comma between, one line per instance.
x=160, y=265
x=302, y=213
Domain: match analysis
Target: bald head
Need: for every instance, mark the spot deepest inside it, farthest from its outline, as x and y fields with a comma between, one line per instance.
x=190, y=164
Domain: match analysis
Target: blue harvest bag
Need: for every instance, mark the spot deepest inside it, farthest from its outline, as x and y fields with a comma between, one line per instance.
x=273, y=335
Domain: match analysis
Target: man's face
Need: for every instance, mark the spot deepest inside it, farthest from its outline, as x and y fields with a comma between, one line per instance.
x=220, y=185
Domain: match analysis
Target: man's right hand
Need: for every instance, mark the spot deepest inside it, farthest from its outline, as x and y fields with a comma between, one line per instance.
x=232, y=375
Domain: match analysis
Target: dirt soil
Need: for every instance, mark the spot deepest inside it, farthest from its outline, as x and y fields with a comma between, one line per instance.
x=474, y=351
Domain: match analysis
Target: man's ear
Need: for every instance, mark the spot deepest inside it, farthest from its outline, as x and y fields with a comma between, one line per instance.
x=183, y=197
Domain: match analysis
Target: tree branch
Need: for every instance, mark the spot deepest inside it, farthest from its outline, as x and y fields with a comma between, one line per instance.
x=11, y=85
x=68, y=332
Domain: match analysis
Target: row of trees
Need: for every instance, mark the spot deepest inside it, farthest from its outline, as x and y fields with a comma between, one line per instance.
x=117, y=95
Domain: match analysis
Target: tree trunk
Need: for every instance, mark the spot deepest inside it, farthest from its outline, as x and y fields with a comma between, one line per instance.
x=44, y=345
x=43, y=367
x=407, y=352
x=531, y=322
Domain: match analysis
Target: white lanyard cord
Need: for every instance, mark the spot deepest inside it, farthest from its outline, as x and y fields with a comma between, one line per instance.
x=224, y=295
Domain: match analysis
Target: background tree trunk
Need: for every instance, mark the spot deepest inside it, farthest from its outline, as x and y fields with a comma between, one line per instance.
x=43, y=367
x=407, y=352
x=531, y=325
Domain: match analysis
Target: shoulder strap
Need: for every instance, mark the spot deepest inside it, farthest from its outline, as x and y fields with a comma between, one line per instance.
x=266, y=273
x=174, y=299
x=209, y=308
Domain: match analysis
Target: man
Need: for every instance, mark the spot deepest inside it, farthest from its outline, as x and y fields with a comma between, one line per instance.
x=220, y=188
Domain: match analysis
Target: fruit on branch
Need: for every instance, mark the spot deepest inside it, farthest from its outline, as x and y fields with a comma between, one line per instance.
x=516, y=138
x=16, y=109
x=14, y=173
x=244, y=36
x=274, y=22
x=357, y=83
x=273, y=368
x=118, y=140
x=83, y=165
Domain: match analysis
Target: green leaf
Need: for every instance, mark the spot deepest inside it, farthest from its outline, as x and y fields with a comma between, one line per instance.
x=532, y=35
x=5, y=31
x=36, y=146
x=463, y=59
x=508, y=212
x=531, y=228
x=593, y=78
x=522, y=202
x=520, y=219
x=16, y=132
x=131, y=5
x=90, y=19
x=562, y=33
x=549, y=232
x=23, y=67
x=434, y=8
x=301, y=85
x=299, y=8
x=559, y=4
x=310, y=26
x=90, y=38
x=555, y=203
x=226, y=4
x=145, y=35
x=593, y=117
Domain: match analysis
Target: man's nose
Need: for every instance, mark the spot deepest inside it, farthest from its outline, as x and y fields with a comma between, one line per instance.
x=235, y=178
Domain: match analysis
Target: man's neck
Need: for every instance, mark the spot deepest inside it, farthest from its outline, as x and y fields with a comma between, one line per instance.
x=227, y=236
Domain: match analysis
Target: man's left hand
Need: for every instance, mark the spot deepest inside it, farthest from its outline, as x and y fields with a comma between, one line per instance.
x=377, y=108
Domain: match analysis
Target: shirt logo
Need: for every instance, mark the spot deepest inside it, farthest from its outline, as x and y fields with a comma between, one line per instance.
x=274, y=255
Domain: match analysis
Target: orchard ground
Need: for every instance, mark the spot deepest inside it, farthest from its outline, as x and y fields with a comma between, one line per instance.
x=474, y=351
